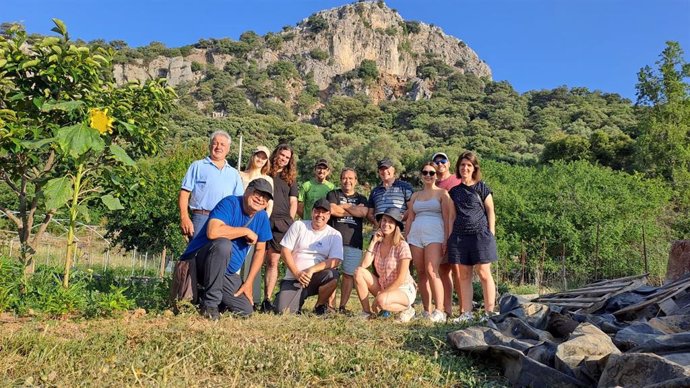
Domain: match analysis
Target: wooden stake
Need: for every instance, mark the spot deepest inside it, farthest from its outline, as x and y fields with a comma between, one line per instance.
x=162, y=267
x=644, y=250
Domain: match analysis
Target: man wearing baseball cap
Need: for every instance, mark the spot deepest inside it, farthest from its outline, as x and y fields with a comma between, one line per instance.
x=314, y=189
x=392, y=192
x=312, y=251
x=220, y=248
x=444, y=178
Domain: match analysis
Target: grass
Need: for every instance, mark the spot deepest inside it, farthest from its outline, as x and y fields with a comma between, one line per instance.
x=263, y=350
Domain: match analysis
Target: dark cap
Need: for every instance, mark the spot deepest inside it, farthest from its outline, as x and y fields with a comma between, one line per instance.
x=385, y=162
x=441, y=154
x=322, y=162
x=395, y=214
x=323, y=204
x=262, y=185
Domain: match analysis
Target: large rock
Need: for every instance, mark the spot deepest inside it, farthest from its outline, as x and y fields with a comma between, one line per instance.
x=639, y=370
x=518, y=368
x=678, y=260
x=585, y=353
x=353, y=33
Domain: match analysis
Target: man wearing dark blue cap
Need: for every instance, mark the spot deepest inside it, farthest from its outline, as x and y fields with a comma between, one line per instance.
x=392, y=192
x=220, y=248
x=312, y=251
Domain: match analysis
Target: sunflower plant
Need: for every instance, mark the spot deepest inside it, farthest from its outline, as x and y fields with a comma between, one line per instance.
x=67, y=131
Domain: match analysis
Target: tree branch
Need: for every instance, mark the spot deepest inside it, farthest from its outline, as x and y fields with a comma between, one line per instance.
x=11, y=216
x=43, y=227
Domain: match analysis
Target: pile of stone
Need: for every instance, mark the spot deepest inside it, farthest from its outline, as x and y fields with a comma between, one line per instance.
x=621, y=332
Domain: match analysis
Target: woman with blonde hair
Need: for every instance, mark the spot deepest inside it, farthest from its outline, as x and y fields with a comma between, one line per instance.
x=257, y=167
x=394, y=289
x=428, y=229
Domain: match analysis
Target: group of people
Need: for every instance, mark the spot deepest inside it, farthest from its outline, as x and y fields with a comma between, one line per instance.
x=239, y=222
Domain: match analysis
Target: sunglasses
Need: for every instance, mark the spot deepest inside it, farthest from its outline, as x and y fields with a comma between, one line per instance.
x=428, y=172
x=440, y=161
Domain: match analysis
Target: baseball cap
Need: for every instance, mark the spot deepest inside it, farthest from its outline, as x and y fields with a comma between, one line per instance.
x=262, y=149
x=322, y=162
x=262, y=185
x=323, y=204
x=442, y=154
x=385, y=162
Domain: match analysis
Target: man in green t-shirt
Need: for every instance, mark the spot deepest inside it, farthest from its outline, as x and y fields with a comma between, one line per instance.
x=314, y=189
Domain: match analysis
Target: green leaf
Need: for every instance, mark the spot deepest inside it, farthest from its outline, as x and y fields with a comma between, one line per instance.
x=121, y=155
x=30, y=63
x=33, y=145
x=60, y=27
x=111, y=202
x=77, y=139
x=65, y=106
x=84, y=212
x=57, y=192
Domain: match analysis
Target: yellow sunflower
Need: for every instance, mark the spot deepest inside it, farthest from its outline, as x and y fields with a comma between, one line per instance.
x=100, y=120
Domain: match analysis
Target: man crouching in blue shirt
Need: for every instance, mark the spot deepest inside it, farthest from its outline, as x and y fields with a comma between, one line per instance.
x=234, y=224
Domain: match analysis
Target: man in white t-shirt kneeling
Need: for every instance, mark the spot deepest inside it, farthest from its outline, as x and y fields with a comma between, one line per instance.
x=312, y=251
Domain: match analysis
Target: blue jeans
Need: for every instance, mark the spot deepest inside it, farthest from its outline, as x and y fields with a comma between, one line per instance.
x=198, y=220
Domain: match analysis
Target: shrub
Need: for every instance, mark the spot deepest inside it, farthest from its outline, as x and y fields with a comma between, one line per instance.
x=412, y=27
x=368, y=70
x=318, y=54
x=317, y=23
x=196, y=66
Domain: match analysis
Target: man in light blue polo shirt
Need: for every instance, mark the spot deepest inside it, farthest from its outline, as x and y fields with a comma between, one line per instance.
x=207, y=182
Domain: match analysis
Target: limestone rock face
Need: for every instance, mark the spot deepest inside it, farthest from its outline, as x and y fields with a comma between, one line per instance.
x=352, y=33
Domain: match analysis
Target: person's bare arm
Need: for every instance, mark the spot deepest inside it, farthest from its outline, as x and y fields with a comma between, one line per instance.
x=371, y=218
x=186, y=225
x=305, y=276
x=217, y=229
x=293, y=207
x=290, y=262
x=402, y=274
x=339, y=210
x=490, y=214
x=300, y=209
x=247, y=287
x=359, y=211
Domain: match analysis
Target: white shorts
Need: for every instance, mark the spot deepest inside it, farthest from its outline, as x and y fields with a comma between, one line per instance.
x=411, y=292
x=425, y=231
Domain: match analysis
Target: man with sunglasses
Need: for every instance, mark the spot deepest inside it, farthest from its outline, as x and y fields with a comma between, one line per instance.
x=444, y=178
x=220, y=248
x=392, y=192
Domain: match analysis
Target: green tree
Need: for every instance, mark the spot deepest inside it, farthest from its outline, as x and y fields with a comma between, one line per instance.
x=67, y=132
x=664, y=142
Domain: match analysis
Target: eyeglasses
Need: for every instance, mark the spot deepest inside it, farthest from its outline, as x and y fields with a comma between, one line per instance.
x=440, y=161
x=428, y=172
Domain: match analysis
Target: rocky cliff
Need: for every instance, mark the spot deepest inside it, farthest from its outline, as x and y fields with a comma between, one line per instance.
x=329, y=44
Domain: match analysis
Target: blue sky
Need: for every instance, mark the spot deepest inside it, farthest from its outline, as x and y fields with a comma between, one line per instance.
x=533, y=44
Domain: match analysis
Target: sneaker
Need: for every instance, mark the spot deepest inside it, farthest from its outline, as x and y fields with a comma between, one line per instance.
x=210, y=313
x=406, y=315
x=437, y=316
x=322, y=309
x=344, y=311
x=266, y=306
x=486, y=315
x=426, y=315
x=384, y=314
x=464, y=318
x=364, y=315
